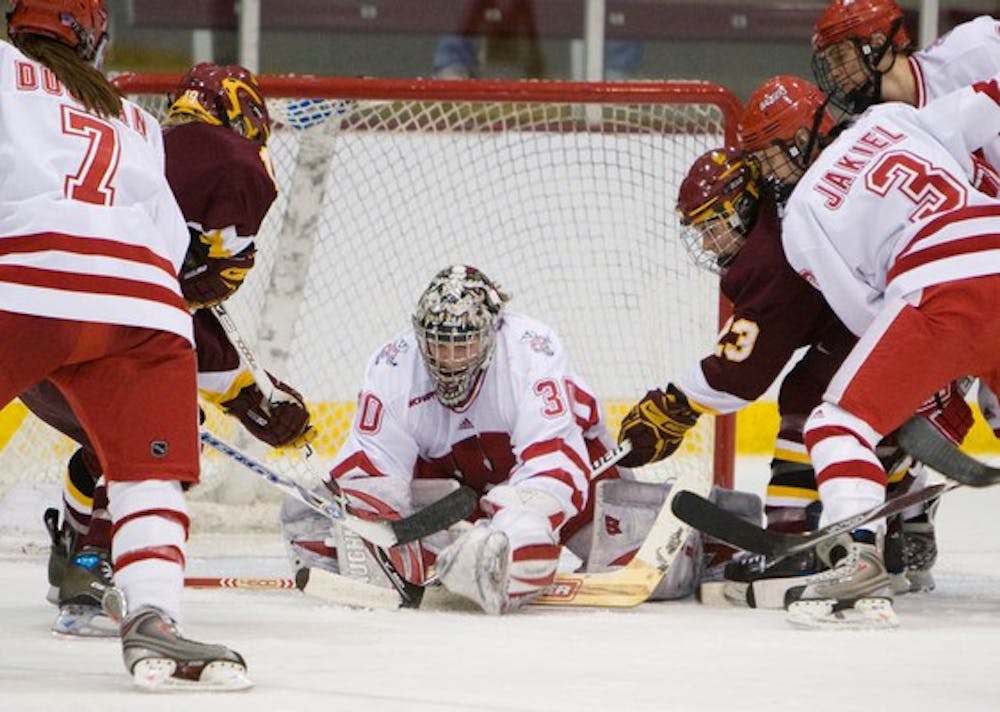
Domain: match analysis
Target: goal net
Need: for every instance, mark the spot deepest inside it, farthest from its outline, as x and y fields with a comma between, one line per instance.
x=562, y=192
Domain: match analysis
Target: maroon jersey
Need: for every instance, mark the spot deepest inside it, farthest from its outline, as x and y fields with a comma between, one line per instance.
x=775, y=312
x=219, y=178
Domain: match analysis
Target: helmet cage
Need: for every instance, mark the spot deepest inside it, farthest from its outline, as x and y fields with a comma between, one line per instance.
x=850, y=41
x=455, y=324
x=848, y=71
x=717, y=205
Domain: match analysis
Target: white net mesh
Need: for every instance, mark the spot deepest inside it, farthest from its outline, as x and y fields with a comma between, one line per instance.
x=567, y=204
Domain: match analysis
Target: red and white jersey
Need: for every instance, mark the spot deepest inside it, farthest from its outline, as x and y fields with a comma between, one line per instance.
x=967, y=54
x=89, y=229
x=887, y=209
x=528, y=424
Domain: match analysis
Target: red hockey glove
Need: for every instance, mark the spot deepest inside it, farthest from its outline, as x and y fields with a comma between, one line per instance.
x=948, y=412
x=284, y=423
x=207, y=281
x=656, y=426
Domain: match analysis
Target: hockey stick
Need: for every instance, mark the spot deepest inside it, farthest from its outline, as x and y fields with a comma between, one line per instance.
x=730, y=528
x=256, y=370
x=920, y=438
x=433, y=518
x=917, y=436
x=465, y=503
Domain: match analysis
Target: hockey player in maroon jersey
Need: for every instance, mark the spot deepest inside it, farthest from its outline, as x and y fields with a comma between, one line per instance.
x=215, y=141
x=729, y=224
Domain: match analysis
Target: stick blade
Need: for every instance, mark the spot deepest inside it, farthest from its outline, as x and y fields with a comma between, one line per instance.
x=439, y=515
x=928, y=445
x=703, y=515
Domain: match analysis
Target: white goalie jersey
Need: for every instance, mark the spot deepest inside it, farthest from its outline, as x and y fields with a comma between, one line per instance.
x=531, y=421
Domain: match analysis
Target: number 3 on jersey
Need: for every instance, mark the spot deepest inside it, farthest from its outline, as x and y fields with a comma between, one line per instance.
x=92, y=182
x=737, y=339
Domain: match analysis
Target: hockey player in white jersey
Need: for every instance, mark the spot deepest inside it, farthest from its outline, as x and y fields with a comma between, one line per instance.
x=92, y=240
x=862, y=55
x=885, y=222
x=480, y=394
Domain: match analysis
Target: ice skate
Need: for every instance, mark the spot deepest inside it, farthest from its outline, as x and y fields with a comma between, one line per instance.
x=158, y=658
x=477, y=567
x=920, y=549
x=86, y=579
x=853, y=593
x=62, y=544
x=750, y=581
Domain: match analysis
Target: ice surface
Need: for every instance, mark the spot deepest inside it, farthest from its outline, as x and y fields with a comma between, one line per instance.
x=305, y=655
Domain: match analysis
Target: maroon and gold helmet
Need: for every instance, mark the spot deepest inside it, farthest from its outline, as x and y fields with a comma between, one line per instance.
x=850, y=40
x=717, y=204
x=80, y=24
x=782, y=126
x=223, y=95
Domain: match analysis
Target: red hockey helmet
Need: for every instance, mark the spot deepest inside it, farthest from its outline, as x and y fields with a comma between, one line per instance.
x=224, y=95
x=783, y=124
x=717, y=205
x=850, y=41
x=80, y=24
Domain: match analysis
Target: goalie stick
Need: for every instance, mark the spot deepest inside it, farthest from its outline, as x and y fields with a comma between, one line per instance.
x=635, y=582
x=917, y=436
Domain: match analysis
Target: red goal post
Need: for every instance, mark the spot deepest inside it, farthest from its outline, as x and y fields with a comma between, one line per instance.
x=561, y=191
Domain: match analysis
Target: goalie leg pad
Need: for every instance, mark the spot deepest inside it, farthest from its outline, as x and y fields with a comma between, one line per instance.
x=477, y=567
x=623, y=515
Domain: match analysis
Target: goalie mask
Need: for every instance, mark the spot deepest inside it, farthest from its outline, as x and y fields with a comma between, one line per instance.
x=456, y=322
x=223, y=95
x=784, y=126
x=717, y=205
x=80, y=24
x=854, y=43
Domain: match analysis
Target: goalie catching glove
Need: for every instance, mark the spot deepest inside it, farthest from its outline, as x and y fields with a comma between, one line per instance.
x=283, y=423
x=207, y=280
x=656, y=426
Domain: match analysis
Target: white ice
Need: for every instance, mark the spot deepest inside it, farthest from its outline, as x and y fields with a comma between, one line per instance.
x=306, y=655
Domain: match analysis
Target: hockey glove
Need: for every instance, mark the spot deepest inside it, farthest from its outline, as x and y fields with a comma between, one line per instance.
x=948, y=412
x=283, y=423
x=207, y=281
x=656, y=426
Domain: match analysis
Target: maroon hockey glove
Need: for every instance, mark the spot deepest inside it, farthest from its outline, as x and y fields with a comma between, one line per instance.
x=207, y=281
x=283, y=423
x=948, y=412
x=656, y=426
